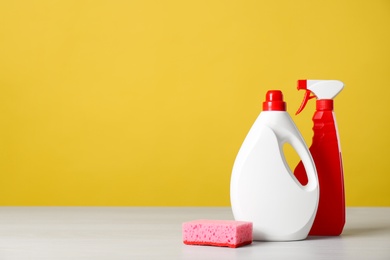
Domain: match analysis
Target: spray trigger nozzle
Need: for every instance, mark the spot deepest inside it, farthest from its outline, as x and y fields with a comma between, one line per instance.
x=321, y=89
x=306, y=98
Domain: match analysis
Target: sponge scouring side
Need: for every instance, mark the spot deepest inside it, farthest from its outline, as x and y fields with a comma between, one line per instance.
x=217, y=233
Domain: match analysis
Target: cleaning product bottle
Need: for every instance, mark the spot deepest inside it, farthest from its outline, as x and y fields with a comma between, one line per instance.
x=263, y=189
x=325, y=149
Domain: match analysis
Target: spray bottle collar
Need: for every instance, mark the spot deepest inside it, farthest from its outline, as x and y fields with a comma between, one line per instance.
x=324, y=105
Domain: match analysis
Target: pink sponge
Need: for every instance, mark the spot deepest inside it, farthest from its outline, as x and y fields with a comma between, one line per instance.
x=217, y=233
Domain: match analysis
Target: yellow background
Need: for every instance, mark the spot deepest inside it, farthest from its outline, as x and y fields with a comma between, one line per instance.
x=147, y=102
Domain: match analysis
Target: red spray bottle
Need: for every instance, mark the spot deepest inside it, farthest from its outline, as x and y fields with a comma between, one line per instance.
x=326, y=153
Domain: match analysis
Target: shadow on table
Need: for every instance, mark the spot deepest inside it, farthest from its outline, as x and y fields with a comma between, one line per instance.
x=354, y=232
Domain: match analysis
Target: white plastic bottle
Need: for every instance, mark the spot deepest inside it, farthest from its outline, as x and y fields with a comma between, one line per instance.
x=263, y=189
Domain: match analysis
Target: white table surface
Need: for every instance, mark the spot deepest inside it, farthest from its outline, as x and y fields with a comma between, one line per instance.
x=155, y=233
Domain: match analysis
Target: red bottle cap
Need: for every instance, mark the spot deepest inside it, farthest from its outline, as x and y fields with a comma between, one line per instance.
x=274, y=101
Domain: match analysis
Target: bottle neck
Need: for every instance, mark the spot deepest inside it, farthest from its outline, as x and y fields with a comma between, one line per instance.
x=324, y=105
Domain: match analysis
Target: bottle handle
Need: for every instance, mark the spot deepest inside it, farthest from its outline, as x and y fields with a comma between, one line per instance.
x=307, y=161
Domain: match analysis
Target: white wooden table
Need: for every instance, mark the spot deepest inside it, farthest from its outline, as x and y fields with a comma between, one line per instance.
x=155, y=233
